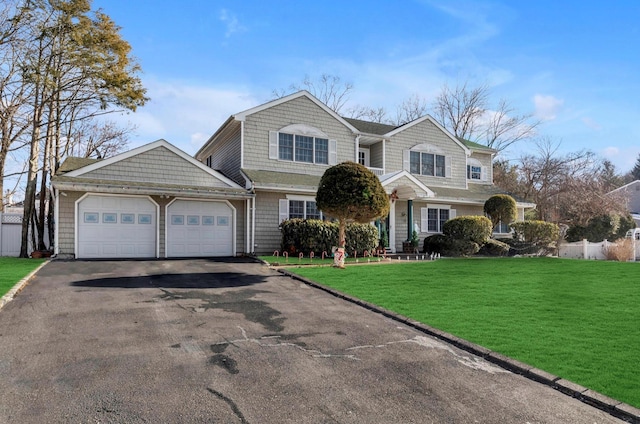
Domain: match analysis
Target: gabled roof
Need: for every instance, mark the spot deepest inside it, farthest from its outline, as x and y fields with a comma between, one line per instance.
x=626, y=186
x=436, y=124
x=79, y=172
x=394, y=176
x=477, y=146
x=371, y=127
x=302, y=93
x=72, y=163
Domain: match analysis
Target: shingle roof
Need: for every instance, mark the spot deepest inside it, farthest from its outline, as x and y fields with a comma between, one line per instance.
x=72, y=163
x=370, y=127
x=475, y=146
x=277, y=179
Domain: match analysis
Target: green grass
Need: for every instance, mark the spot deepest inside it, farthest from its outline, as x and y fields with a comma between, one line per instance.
x=13, y=270
x=579, y=320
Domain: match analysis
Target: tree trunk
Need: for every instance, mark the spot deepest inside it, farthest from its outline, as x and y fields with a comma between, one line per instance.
x=338, y=257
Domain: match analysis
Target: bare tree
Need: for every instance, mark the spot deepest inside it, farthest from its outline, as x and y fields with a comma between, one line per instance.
x=329, y=89
x=460, y=109
x=365, y=113
x=567, y=188
x=504, y=127
x=411, y=109
x=466, y=112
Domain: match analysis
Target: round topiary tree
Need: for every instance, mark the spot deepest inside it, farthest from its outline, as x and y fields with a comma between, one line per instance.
x=501, y=208
x=350, y=192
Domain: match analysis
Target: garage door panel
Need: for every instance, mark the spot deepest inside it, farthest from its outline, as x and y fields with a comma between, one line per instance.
x=116, y=227
x=193, y=229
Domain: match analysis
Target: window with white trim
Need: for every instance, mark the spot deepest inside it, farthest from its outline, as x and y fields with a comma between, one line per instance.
x=298, y=208
x=428, y=160
x=427, y=164
x=474, y=172
x=433, y=217
x=302, y=143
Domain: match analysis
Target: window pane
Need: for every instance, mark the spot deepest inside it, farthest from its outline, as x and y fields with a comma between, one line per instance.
x=444, y=217
x=414, y=159
x=285, y=146
x=475, y=172
x=312, y=211
x=304, y=149
x=322, y=150
x=427, y=164
x=432, y=220
x=296, y=209
x=439, y=166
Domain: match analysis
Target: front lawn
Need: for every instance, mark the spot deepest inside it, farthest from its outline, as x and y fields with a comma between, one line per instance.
x=579, y=320
x=13, y=270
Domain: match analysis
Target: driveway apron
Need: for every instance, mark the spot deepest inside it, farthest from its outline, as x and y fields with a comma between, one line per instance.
x=199, y=341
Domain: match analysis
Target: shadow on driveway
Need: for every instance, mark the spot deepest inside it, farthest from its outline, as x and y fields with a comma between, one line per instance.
x=209, y=280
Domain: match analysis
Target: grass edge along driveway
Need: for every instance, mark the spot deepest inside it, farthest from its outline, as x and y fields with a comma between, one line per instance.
x=573, y=318
x=12, y=270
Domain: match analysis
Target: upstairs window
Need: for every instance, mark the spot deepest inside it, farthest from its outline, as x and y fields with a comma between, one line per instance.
x=427, y=160
x=308, y=146
x=474, y=172
x=427, y=164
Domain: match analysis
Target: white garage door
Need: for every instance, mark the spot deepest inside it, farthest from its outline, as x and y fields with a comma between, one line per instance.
x=199, y=228
x=116, y=227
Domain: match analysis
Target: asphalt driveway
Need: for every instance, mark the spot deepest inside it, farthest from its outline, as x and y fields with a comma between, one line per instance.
x=197, y=341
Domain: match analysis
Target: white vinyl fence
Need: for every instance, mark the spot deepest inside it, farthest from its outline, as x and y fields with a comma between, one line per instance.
x=11, y=234
x=587, y=250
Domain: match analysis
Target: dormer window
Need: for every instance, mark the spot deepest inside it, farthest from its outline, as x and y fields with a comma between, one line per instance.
x=302, y=143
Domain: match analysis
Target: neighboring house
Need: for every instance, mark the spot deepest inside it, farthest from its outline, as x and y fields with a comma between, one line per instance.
x=279, y=151
x=631, y=193
x=260, y=167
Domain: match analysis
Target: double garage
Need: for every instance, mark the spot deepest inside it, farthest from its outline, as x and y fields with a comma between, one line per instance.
x=129, y=227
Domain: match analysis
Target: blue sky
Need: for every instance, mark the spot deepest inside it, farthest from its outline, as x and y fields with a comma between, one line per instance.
x=574, y=64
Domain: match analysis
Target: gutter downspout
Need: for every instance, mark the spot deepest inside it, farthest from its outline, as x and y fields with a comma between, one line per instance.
x=247, y=224
x=357, y=149
x=56, y=224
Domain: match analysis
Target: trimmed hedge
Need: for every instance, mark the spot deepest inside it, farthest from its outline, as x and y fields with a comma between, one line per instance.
x=539, y=233
x=312, y=235
x=469, y=228
x=494, y=247
x=448, y=246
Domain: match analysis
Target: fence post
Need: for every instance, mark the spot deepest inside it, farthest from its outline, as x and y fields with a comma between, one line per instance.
x=585, y=249
x=1, y=233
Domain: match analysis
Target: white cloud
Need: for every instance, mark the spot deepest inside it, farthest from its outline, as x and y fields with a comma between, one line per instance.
x=624, y=158
x=231, y=21
x=547, y=107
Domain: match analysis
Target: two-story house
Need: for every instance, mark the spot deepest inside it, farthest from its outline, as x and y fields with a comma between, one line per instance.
x=279, y=151
x=259, y=168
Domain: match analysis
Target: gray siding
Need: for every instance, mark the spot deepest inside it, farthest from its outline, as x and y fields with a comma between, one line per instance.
x=66, y=223
x=297, y=111
x=426, y=132
x=160, y=166
x=268, y=236
x=485, y=160
x=226, y=157
x=376, y=158
x=632, y=194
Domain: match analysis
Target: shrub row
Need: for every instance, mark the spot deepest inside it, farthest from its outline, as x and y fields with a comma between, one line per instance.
x=312, y=235
x=609, y=227
x=468, y=235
